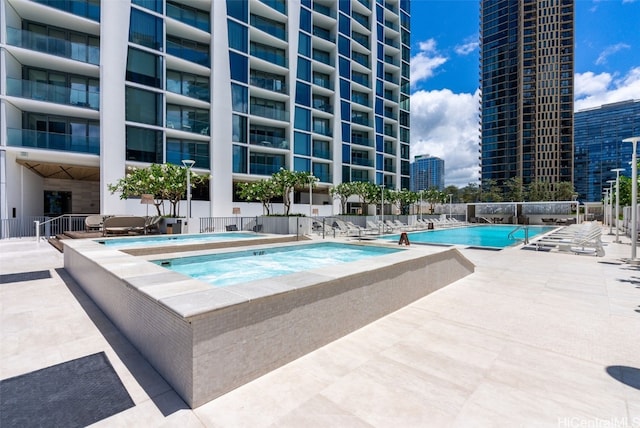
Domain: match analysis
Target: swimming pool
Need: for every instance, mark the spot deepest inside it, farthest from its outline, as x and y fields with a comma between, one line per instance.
x=243, y=266
x=146, y=241
x=489, y=236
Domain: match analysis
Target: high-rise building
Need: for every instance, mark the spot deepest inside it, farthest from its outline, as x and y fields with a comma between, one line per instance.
x=526, y=77
x=242, y=87
x=599, y=148
x=427, y=172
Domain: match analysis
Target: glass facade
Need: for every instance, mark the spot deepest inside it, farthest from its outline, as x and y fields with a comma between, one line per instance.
x=526, y=67
x=599, y=148
x=427, y=172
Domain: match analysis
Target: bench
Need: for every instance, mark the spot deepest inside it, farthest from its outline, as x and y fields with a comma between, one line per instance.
x=123, y=225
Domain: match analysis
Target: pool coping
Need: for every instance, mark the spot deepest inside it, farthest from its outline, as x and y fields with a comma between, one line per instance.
x=206, y=341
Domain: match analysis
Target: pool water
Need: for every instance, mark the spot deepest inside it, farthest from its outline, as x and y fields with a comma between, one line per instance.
x=176, y=239
x=490, y=236
x=242, y=266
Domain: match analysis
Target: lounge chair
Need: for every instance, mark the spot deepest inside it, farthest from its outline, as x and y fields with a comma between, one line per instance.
x=231, y=228
x=153, y=224
x=93, y=223
x=583, y=239
x=123, y=225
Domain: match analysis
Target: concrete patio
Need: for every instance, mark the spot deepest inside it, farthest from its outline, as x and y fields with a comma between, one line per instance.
x=529, y=339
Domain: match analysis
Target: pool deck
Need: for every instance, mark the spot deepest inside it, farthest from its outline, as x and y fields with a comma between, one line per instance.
x=529, y=339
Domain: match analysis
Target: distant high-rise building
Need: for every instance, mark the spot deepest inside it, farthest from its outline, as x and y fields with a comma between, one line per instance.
x=427, y=172
x=526, y=77
x=599, y=148
x=89, y=88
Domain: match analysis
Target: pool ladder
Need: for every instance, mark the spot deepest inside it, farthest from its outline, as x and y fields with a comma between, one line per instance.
x=526, y=233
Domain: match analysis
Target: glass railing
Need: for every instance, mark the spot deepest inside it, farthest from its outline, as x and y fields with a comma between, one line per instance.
x=392, y=79
x=363, y=141
x=389, y=149
x=391, y=42
x=279, y=5
x=52, y=93
x=361, y=161
x=278, y=31
x=366, y=3
x=390, y=132
x=322, y=177
x=389, y=168
x=357, y=175
x=53, y=46
x=322, y=106
x=189, y=125
x=393, y=8
x=325, y=83
x=270, y=84
x=391, y=25
x=192, y=55
x=323, y=34
x=53, y=141
x=268, y=141
x=391, y=115
x=264, y=168
x=190, y=17
x=270, y=55
x=360, y=120
x=361, y=38
x=188, y=90
x=323, y=57
x=363, y=20
x=322, y=130
x=360, y=58
x=269, y=112
x=321, y=153
x=361, y=79
x=85, y=9
x=391, y=60
x=361, y=100
x=325, y=10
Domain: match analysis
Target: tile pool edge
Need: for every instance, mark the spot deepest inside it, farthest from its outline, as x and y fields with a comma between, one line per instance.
x=209, y=341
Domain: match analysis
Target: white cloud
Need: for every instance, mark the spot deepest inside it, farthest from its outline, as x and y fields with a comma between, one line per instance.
x=426, y=61
x=593, y=90
x=445, y=125
x=610, y=50
x=470, y=44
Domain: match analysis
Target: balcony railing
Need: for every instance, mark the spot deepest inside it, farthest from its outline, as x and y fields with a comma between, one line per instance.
x=322, y=106
x=322, y=130
x=325, y=10
x=361, y=59
x=263, y=168
x=360, y=120
x=268, y=141
x=322, y=177
x=52, y=93
x=361, y=101
x=269, y=84
x=279, y=5
x=53, y=141
x=325, y=83
x=323, y=57
x=53, y=46
x=391, y=25
x=190, y=17
x=275, y=29
x=321, y=153
x=363, y=141
x=269, y=112
x=363, y=20
x=84, y=9
x=361, y=38
x=360, y=78
x=189, y=125
x=188, y=54
x=366, y=3
x=361, y=161
x=323, y=34
x=275, y=57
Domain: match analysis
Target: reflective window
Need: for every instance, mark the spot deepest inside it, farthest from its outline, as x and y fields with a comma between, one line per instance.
x=238, y=36
x=305, y=20
x=144, y=68
x=188, y=84
x=239, y=129
x=188, y=149
x=145, y=29
x=153, y=5
x=302, y=119
x=239, y=159
x=238, y=9
x=239, y=98
x=304, y=69
x=304, y=44
x=301, y=164
x=303, y=94
x=239, y=67
x=143, y=106
x=301, y=143
x=144, y=145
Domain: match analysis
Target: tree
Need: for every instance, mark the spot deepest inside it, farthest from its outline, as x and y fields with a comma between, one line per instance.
x=404, y=199
x=563, y=191
x=434, y=196
x=539, y=191
x=514, y=189
x=262, y=191
x=163, y=181
x=491, y=191
x=454, y=192
x=286, y=181
x=343, y=191
x=367, y=192
x=470, y=193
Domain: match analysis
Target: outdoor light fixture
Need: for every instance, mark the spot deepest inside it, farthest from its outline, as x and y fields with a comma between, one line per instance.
x=634, y=197
x=610, y=182
x=188, y=163
x=617, y=171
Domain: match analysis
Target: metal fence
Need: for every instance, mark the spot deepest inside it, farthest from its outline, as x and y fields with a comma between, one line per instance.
x=47, y=226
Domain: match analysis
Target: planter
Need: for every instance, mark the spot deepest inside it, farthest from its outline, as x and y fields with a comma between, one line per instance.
x=171, y=226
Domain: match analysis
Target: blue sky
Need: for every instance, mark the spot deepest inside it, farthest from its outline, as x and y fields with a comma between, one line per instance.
x=444, y=73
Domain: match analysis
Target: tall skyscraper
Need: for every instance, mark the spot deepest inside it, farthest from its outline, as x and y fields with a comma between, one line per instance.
x=242, y=87
x=427, y=172
x=599, y=148
x=526, y=77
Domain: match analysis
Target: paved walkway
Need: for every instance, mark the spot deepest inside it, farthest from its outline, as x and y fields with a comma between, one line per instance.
x=530, y=339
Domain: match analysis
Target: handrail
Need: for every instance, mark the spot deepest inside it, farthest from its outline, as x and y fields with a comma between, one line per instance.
x=38, y=223
x=526, y=233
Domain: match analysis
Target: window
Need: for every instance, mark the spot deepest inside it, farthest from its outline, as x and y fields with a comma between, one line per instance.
x=303, y=94
x=302, y=119
x=144, y=68
x=143, y=106
x=153, y=5
x=304, y=69
x=301, y=164
x=239, y=129
x=239, y=98
x=188, y=119
x=301, y=143
x=238, y=9
x=238, y=36
x=188, y=84
x=239, y=159
x=145, y=29
x=305, y=20
x=238, y=65
x=187, y=149
x=144, y=145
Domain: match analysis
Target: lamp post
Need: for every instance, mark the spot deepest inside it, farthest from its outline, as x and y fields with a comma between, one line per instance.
x=634, y=197
x=617, y=171
x=188, y=163
x=382, y=206
x=450, y=199
x=604, y=205
x=610, y=182
x=312, y=180
x=421, y=205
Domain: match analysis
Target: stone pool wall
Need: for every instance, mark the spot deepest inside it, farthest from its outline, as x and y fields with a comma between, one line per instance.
x=206, y=341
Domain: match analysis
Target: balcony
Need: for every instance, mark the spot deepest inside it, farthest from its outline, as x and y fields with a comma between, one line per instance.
x=323, y=34
x=323, y=81
x=360, y=38
x=365, y=3
x=83, y=52
x=325, y=10
x=362, y=141
x=361, y=161
x=53, y=141
x=323, y=57
x=322, y=105
x=263, y=168
x=361, y=59
x=361, y=120
x=322, y=129
x=274, y=28
x=269, y=83
x=198, y=56
x=322, y=153
x=322, y=177
x=85, y=9
x=389, y=167
x=364, y=101
x=279, y=5
x=360, y=78
x=391, y=25
x=272, y=55
x=52, y=93
x=269, y=112
x=273, y=141
x=189, y=125
x=361, y=19
x=190, y=16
